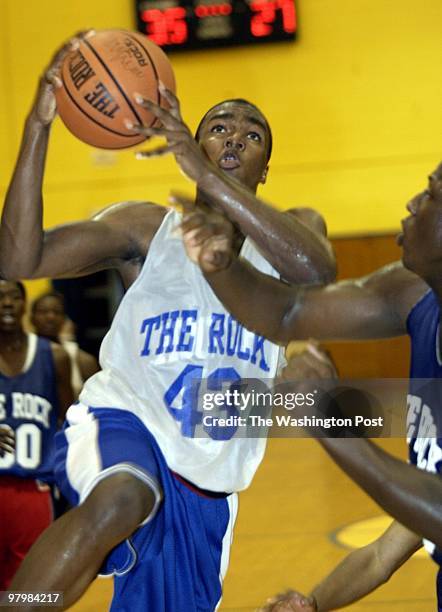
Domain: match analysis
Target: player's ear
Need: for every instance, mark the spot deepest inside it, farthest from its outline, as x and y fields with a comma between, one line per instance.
x=264, y=175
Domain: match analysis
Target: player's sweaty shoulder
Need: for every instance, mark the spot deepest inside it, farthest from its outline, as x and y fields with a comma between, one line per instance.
x=137, y=221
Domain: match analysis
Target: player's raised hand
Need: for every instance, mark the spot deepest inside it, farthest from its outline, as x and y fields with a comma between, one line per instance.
x=290, y=601
x=208, y=236
x=171, y=126
x=309, y=372
x=44, y=108
x=312, y=363
x=7, y=440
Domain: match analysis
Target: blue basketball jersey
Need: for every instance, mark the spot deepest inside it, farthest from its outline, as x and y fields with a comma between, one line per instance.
x=424, y=403
x=29, y=406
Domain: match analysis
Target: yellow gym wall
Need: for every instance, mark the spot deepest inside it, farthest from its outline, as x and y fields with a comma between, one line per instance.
x=355, y=105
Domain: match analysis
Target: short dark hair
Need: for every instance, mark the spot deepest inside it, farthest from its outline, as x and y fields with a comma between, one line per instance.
x=19, y=285
x=244, y=102
x=47, y=294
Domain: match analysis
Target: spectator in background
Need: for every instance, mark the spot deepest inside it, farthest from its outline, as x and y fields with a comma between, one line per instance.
x=49, y=320
x=35, y=392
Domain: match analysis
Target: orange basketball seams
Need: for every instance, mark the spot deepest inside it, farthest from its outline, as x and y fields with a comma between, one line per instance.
x=100, y=79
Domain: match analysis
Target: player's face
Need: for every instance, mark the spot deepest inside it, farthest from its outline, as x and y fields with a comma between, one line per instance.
x=48, y=317
x=12, y=306
x=421, y=239
x=236, y=138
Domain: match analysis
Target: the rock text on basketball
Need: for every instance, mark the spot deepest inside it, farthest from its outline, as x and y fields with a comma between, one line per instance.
x=101, y=99
x=80, y=70
x=133, y=49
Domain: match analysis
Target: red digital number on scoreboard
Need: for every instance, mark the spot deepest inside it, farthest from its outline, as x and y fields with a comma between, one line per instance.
x=183, y=25
x=262, y=22
x=166, y=27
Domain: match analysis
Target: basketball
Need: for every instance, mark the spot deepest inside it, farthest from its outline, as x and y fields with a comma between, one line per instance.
x=100, y=79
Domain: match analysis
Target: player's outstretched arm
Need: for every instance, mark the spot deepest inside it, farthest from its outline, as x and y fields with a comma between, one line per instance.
x=295, y=242
x=21, y=233
x=367, y=568
x=110, y=239
x=412, y=496
x=375, y=306
x=360, y=573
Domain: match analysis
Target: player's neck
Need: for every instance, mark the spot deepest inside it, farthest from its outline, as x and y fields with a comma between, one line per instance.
x=55, y=339
x=13, y=341
x=13, y=352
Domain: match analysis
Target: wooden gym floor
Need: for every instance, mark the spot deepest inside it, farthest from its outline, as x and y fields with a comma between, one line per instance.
x=286, y=535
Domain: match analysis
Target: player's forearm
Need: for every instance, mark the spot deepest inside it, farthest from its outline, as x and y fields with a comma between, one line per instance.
x=256, y=300
x=413, y=497
x=356, y=576
x=21, y=233
x=299, y=254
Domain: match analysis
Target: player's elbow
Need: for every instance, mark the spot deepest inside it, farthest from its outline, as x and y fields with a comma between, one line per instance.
x=14, y=271
x=5, y=274
x=318, y=264
x=10, y=271
x=329, y=271
x=332, y=268
x=317, y=269
x=325, y=271
x=15, y=264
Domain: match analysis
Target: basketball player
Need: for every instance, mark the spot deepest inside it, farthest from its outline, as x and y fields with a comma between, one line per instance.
x=34, y=395
x=412, y=496
x=155, y=504
x=399, y=298
x=48, y=318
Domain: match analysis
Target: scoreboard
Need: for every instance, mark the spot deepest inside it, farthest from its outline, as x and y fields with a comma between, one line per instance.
x=196, y=24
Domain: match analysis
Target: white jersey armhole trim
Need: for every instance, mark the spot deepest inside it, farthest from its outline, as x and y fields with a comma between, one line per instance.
x=129, y=468
x=430, y=547
x=438, y=355
x=134, y=556
x=32, y=349
x=158, y=236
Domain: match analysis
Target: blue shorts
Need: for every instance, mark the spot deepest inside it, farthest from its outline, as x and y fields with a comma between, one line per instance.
x=176, y=560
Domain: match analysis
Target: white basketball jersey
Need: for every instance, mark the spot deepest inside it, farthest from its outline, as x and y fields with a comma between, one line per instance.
x=169, y=333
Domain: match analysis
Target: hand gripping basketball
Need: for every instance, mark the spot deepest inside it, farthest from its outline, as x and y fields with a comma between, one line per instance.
x=45, y=107
x=170, y=125
x=99, y=78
